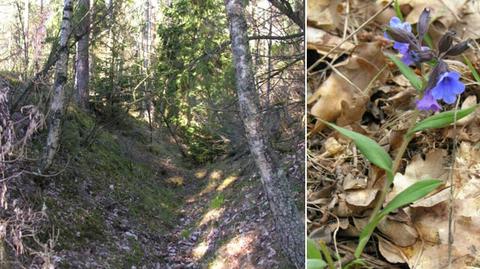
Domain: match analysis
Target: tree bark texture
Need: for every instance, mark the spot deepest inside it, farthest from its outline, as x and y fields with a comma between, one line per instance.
x=82, y=75
x=287, y=218
x=57, y=104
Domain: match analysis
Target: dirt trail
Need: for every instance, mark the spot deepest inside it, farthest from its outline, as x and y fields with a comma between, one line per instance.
x=124, y=202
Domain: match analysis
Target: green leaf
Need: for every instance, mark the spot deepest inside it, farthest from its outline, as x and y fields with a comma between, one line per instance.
x=441, y=120
x=366, y=233
x=368, y=147
x=472, y=68
x=428, y=40
x=411, y=194
x=316, y=264
x=312, y=251
x=397, y=10
x=415, y=80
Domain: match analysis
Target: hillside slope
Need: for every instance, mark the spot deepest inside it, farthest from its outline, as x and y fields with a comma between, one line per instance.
x=119, y=201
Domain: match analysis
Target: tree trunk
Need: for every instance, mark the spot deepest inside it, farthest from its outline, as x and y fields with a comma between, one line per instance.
x=147, y=108
x=82, y=63
x=296, y=16
x=289, y=226
x=57, y=105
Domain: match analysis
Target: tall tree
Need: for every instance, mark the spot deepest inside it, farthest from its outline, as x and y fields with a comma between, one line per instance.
x=82, y=59
x=288, y=221
x=57, y=104
x=147, y=33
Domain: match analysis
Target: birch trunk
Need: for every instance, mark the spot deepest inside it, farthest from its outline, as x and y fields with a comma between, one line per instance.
x=289, y=226
x=82, y=63
x=57, y=104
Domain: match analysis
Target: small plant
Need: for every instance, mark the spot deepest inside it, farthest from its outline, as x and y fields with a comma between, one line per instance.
x=440, y=85
x=217, y=202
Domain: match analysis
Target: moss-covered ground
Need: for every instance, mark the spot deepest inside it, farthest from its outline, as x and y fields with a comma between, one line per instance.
x=120, y=200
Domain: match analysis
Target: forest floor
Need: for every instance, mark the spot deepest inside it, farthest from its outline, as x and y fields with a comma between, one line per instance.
x=353, y=83
x=123, y=202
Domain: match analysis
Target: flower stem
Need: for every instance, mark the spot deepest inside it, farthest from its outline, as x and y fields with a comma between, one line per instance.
x=389, y=179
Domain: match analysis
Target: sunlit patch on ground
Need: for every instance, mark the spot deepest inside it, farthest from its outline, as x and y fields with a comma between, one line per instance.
x=211, y=215
x=200, y=250
x=237, y=253
x=226, y=182
x=176, y=180
x=216, y=175
x=200, y=174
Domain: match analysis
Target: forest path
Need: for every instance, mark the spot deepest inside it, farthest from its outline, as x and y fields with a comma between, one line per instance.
x=124, y=202
x=223, y=219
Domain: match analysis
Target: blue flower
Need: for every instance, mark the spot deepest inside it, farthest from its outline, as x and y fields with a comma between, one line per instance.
x=428, y=102
x=448, y=87
x=410, y=57
x=395, y=22
x=402, y=48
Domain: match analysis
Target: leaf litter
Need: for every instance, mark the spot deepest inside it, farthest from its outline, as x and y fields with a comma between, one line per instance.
x=358, y=88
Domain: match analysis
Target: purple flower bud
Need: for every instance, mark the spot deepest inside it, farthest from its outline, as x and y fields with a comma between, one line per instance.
x=400, y=35
x=428, y=102
x=448, y=87
x=458, y=48
x=422, y=25
x=445, y=42
x=439, y=69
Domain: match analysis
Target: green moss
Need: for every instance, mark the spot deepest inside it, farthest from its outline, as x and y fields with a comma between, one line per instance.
x=185, y=233
x=217, y=202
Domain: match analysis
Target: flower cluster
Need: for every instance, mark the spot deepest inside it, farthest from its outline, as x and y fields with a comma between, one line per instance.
x=443, y=84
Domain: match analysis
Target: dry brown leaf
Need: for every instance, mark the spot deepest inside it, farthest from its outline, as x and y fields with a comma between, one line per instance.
x=337, y=97
x=433, y=167
x=332, y=146
x=469, y=102
x=390, y=252
x=323, y=42
x=361, y=198
x=354, y=183
x=401, y=234
x=430, y=216
x=323, y=14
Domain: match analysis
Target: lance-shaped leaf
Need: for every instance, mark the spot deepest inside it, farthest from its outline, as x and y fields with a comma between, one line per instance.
x=315, y=264
x=407, y=72
x=441, y=120
x=312, y=250
x=314, y=257
x=411, y=194
x=423, y=22
x=472, y=69
x=368, y=147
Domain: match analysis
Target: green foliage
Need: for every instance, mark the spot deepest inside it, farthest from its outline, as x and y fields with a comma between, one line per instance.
x=441, y=120
x=217, y=202
x=378, y=156
x=472, y=69
x=398, y=12
x=368, y=147
x=314, y=257
x=409, y=195
x=195, y=80
x=407, y=72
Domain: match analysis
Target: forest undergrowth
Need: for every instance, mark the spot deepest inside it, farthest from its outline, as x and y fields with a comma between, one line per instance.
x=118, y=201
